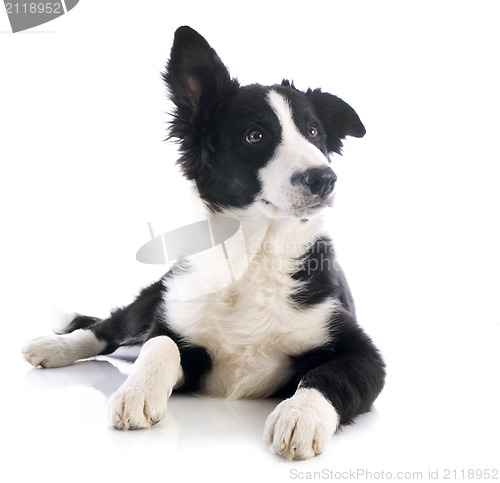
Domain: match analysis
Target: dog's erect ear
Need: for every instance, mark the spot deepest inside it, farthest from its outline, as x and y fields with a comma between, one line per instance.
x=198, y=84
x=337, y=117
x=195, y=74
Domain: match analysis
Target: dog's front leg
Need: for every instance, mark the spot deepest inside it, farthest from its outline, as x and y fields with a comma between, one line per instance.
x=142, y=399
x=338, y=383
x=301, y=426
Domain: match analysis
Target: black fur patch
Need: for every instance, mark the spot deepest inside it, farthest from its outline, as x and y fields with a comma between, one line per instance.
x=322, y=277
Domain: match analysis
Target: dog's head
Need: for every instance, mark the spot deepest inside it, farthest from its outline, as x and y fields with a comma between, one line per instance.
x=253, y=144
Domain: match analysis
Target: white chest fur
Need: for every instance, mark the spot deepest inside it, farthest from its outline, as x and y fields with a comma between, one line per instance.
x=251, y=327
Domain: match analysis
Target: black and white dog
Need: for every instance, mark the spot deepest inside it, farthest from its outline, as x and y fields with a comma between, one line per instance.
x=286, y=326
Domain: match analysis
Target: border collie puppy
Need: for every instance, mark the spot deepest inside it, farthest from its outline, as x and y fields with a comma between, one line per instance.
x=285, y=325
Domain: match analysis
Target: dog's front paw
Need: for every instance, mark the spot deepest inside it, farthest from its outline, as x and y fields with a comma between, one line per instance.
x=300, y=427
x=133, y=407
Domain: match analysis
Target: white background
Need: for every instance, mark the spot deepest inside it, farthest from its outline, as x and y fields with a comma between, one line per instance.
x=84, y=167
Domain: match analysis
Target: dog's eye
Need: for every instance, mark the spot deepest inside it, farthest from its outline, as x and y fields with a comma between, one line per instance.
x=313, y=131
x=254, y=137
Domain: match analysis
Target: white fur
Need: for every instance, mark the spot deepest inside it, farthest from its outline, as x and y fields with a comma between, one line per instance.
x=62, y=350
x=142, y=399
x=251, y=328
x=294, y=154
x=300, y=427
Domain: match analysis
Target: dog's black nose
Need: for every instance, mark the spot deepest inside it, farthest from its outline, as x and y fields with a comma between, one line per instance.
x=320, y=181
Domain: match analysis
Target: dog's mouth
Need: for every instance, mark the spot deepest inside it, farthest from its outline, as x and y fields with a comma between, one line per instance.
x=300, y=210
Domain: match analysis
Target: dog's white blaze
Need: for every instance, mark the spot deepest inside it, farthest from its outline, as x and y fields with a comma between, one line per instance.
x=294, y=154
x=251, y=328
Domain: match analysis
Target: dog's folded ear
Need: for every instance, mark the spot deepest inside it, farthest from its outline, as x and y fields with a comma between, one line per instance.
x=338, y=118
x=198, y=83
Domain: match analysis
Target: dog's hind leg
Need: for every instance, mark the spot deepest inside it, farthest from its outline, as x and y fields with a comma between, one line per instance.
x=88, y=336
x=62, y=350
